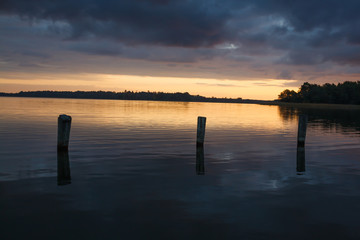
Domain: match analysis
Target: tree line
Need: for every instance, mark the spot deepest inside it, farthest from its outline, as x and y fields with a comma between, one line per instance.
x=341, y=93
x=126, y=95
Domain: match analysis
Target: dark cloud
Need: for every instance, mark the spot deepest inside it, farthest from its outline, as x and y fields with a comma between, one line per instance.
x=171, y=23
x=304, y=57
x=195, y=23
x=308, y=15
x=36, y=54
x=345, y=55
x=263, y=33
x=314, y=29
x=285, y=74
x=29, y=65
x=92, y=48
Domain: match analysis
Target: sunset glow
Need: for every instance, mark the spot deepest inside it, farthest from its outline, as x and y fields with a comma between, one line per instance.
x=259, y=89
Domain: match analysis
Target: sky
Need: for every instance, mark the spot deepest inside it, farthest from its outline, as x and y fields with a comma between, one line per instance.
x=252, y=49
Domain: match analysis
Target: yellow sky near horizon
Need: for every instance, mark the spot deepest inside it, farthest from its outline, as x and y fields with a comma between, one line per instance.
x=262, y=89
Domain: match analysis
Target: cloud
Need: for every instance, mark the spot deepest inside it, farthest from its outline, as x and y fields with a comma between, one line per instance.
x=217, y=84
x=285, y=74
x=169, y=23
x=197, y=23
x=258, y=38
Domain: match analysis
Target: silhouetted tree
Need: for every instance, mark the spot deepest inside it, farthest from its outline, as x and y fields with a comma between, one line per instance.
x=288, y=96
x=345, y=93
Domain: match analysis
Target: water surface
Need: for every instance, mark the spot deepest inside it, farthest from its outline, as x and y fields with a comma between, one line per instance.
x=133, y=172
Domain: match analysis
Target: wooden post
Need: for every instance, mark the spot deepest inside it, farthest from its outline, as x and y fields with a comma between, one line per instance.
x=63, y=168
x=64, y=125
x=200, y=165
x=302, y=130
x=200, y=131
x=300, y=160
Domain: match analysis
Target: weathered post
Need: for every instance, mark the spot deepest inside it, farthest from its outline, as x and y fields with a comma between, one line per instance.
x=200, y=131
x=64, y=125
x=302, y=130
x=300, y=160
x=63, y=168
x=200, y=165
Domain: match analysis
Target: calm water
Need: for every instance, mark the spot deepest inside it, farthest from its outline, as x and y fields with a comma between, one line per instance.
x=136, y=174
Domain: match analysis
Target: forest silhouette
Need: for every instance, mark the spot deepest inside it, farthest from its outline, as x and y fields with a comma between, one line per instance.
x=125, y=95
x=341, y=93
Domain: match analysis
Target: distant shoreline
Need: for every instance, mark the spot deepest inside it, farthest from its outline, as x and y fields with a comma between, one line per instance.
x=213, y=100
x=129, y=95
x=245, y=101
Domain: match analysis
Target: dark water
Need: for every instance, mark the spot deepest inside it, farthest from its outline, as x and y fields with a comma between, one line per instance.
x=133, y=172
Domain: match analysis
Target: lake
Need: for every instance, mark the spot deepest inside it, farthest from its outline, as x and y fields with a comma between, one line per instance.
x=133, y=171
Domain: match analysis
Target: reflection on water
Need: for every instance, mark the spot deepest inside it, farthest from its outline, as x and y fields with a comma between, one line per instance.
x=300, y=159
x=200, y=164
x=303, y=119
x=132, y=171
x=63, y=168
x=342, y=119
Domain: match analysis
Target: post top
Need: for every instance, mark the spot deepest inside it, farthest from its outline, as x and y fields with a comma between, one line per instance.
x=65, y=117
